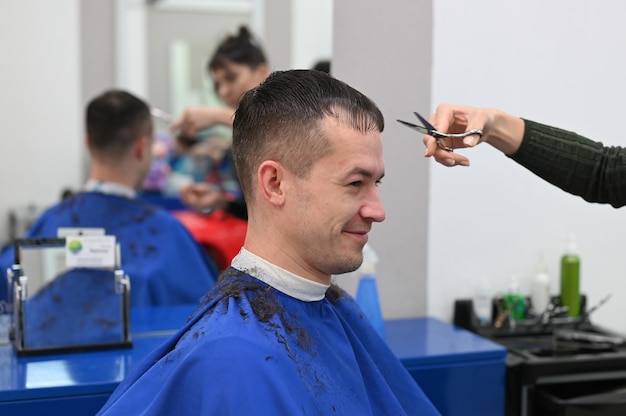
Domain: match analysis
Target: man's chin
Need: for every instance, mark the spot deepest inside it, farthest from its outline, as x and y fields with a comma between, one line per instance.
x=348, y=265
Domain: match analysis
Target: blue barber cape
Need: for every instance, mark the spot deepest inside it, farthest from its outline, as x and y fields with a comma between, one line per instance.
x=165, y=264
x=252, y=350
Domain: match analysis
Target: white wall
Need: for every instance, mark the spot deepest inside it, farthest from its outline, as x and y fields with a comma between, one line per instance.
x=311, y=23
x=39, y=103
x=562, y=63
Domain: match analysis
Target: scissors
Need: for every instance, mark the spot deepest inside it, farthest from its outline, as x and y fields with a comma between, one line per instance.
x=161, y=115
x=429, y=129
x=164, y=117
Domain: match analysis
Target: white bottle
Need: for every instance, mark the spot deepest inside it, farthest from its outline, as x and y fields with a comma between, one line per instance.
x=540, y=289
x=482, y=301
x=367, y=291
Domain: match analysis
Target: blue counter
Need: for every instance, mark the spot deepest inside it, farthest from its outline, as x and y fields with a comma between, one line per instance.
x=462, y=373
x=80, y=383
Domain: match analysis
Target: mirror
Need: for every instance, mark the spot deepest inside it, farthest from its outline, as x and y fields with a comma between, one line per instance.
x=173, y=39
x=61, y=308
x=42, y=260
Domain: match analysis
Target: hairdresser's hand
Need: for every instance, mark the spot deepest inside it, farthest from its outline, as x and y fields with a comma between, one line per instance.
x=202, y=197
x=196, y=118
x=501, y=130
x=215, y=148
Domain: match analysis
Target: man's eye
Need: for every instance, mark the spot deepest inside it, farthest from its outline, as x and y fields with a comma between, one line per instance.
x=378, y=183
x=356, y=183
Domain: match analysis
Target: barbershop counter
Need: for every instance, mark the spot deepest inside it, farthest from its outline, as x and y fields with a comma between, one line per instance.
x=462, y=373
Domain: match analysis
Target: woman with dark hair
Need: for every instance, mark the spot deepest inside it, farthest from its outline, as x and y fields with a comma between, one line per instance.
x=237, y=65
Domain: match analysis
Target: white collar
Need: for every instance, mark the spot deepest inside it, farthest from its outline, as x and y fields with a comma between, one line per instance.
x=280, y=279
x=110, y=188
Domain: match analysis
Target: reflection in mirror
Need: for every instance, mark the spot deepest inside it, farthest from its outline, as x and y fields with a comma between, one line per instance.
x=42, y=264
x=190, y=83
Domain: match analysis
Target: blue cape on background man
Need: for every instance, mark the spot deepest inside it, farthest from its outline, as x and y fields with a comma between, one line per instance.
x=165, y=264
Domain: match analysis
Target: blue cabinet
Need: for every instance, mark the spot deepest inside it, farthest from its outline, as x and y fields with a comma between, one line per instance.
x=461, y=373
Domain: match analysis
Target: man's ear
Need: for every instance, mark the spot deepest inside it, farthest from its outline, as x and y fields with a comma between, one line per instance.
x=271, y=175
x=142, y=147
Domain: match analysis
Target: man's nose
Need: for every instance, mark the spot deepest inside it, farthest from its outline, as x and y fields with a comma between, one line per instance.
x=222, y=92
x=373, y=208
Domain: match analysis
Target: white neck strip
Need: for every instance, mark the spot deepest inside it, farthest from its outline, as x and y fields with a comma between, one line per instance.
x=279, y=278
x=110, y=188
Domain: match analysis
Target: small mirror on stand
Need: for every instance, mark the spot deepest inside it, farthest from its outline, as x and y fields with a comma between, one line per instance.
x=69, y=294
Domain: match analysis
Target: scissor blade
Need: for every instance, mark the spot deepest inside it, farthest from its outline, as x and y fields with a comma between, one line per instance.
x=161, y=115
x=414, y=127
x=424, y=121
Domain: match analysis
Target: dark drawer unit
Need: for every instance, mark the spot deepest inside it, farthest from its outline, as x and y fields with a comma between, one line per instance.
x=559, y=367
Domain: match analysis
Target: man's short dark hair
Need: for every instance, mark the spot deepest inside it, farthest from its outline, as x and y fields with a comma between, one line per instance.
x=115, y=120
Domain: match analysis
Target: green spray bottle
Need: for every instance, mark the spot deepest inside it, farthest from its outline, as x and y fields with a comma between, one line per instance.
x=570, y=277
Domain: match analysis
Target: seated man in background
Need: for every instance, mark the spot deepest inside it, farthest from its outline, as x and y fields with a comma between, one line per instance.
x=163, y=261
x=274, y=337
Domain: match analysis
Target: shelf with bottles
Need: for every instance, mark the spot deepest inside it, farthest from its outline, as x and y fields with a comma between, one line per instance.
x=514, y=315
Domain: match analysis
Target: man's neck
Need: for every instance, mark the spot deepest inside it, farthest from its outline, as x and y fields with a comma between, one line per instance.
x=117, y=175
x=268, y=250
x=109, y=188
x=280, y=279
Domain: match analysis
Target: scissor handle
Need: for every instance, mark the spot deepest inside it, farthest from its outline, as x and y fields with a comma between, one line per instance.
x=440, y=135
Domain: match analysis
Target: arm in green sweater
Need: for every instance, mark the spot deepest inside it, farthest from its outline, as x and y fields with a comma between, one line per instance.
x=574, y=163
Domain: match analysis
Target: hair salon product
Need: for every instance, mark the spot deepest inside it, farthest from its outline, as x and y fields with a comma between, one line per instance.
x=540, y=289
x=514, y=302
x=482, y=301
x=367, y=291
x=570, y=278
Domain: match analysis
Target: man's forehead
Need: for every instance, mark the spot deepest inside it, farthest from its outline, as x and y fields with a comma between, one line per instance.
x=353, y=150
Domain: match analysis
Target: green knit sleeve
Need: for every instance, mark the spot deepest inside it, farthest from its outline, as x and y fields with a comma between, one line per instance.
x=574, y=163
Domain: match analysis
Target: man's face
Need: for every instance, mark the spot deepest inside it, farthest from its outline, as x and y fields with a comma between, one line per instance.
x=234, y=79
x=330, y=212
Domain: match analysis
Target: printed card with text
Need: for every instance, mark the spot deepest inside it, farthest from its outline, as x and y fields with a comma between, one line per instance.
x=90, y=251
